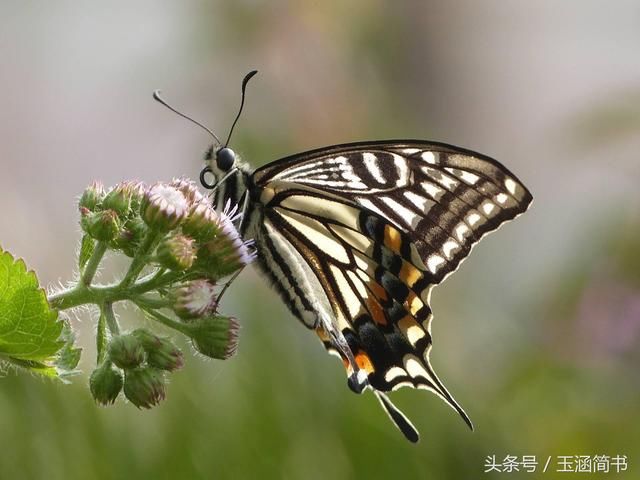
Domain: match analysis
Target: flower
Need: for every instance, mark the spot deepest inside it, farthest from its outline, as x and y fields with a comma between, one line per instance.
x=118, y=198
x=92, y=196
x=194, y=299
x=189, y=189
x=176, y=252
x=144, y=387
x=163, y=207
x=215, y=337
x=126, y=351
x=105, y=384
x=137, y=191
x=227, y=252
x=161, y=352
x=201, y=222
x=130, y=236
x=103, y=226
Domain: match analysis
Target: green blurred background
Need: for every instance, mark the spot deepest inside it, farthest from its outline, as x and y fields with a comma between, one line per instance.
x=537, y=335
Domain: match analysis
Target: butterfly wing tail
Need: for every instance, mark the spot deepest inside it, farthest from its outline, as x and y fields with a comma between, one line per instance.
x=399, y=419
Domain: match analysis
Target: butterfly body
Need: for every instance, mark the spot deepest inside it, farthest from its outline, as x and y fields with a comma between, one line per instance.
x=355, y=236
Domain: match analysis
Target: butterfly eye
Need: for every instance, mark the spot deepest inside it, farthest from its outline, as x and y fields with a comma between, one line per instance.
x=225, y=159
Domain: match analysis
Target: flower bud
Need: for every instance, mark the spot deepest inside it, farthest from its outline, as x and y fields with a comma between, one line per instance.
x=215, y=337
x=163, y=207
x=92, y=196
x=105, y=384
x=103, y=226
x=201, y=222
x=126, y=351
x=144, y=387
x=194, y=299
x=137, y=191
x=227, y=252
x=130, y=236
x=85, y=217
x=118, y=199
x=189, y=189
x=176, y=252
x=161, y=352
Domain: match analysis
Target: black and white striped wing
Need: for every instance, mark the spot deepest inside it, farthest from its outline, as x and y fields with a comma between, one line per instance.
x=375, y=226
x=370, y=275
x=444, y=197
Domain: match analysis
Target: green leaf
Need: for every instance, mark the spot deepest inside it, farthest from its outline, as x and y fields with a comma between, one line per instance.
x=34, y=367
x=29, y=328
x=68, y=357
x=87, y=247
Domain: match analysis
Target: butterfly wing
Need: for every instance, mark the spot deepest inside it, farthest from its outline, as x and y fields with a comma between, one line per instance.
x=377, y=225
x=446, y=198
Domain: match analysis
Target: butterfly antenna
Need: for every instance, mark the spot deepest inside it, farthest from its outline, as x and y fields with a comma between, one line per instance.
x=159, y=99
x=245, y=80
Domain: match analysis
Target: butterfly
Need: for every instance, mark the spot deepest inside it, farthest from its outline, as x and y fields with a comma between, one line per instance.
x=355, y=236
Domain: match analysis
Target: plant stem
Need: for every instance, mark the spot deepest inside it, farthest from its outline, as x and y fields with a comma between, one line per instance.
x=112, y=323
x=81, y=295
x=78, y=295
x=141, y=259
x=164, y=319
x=93, y=263
x=151, y=302
x=101, y=336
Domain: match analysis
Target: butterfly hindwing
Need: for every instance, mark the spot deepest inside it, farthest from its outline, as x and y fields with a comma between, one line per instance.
x=370, y=272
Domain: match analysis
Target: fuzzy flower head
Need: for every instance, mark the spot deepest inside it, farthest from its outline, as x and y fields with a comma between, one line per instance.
x=201, y=222
x=195, y=299
x=161, y=352
x=189, y=189
x=144, y=386
x=102, y=226
x=136, y=190
x=215, y=337
x=124, y=197
x=176, y=252
x=105, y=384
x=227, y=252
x=164, y=207
x=92, y=196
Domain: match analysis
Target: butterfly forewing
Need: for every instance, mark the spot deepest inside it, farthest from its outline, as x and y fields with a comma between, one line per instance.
x=444, y=197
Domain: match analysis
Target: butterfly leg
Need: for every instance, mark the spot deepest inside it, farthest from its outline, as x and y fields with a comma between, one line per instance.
x=243, y=212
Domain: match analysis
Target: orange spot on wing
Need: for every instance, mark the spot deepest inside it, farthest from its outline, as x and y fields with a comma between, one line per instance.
x=392, y=239
x=377, y=290
x=377, y=312
x=364, y=362
x=409, y=274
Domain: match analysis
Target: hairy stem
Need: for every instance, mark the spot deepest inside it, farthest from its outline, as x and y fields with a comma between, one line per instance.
x=93, y=263
x=112, y=322
x=101, y=337
x=149, y=243
x=169, y=322
x=81, y=295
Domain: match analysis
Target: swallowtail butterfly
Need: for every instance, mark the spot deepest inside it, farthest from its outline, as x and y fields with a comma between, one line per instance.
x=355, y=236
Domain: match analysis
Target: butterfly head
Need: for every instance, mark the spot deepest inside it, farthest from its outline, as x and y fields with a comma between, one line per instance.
x=225, y=159
x=219, y=162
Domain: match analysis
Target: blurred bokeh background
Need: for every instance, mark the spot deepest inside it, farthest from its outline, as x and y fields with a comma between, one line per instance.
x=537, y=335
